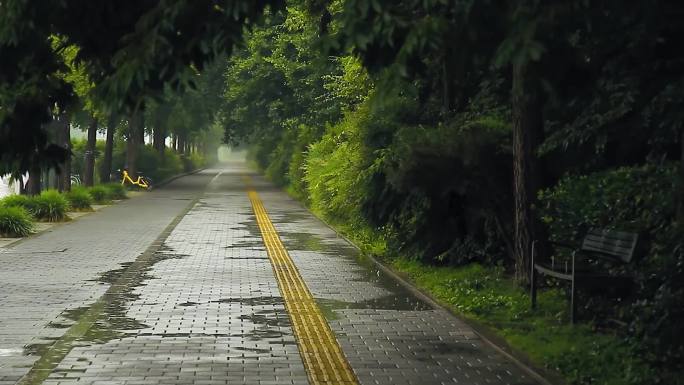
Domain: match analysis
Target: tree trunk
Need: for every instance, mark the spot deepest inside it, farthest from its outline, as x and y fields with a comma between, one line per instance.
x=174, y=145
x=159, y=136
x=132, y=144
x=446, y=94
x=141, y=129
x=680, y=200
x=527, y=134
x=106, y=172
x=180, y=145
x=89, y=172
x=33, y=182
x=64, y=177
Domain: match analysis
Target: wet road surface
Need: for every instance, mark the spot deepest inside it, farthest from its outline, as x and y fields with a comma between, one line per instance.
x=177, y=287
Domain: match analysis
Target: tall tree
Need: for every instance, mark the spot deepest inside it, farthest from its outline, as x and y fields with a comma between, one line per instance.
x=89, y=172
x=135, y=126
x=106, y=172
x=131, y=50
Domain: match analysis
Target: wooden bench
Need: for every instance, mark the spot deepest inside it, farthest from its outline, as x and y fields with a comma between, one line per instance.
x=598, y=244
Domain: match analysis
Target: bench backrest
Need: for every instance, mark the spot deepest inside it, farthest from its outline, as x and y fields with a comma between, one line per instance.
x=617, y=245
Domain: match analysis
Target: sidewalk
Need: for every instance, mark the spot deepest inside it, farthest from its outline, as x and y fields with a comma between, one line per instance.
x=201, y=303
x=57, y=272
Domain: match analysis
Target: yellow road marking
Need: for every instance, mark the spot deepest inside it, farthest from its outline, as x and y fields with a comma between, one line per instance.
x=323, y=358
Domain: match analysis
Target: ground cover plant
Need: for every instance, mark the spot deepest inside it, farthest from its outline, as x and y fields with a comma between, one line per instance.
x=79, y=199
x=116, y=191
x=16, y=200
x=100, y=194
x=489, y=296
x=50, y=206
x=15, y=221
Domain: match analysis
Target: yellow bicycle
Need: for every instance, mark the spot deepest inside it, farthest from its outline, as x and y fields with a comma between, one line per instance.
x=140, y=182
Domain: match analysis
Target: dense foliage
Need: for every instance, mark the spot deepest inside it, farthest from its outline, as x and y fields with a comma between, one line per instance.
x=638, y=199
x=130, y=51
x=445, y=133
x=408, y=137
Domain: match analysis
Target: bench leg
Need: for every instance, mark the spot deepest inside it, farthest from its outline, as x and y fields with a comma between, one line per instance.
x=533, y=279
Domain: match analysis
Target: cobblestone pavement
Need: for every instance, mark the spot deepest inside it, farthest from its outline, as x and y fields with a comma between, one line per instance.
x=201, y=305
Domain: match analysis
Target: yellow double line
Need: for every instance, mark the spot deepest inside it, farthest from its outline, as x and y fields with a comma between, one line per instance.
x=323, y=358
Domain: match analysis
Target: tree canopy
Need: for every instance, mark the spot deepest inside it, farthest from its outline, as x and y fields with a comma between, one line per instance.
x=130, y=51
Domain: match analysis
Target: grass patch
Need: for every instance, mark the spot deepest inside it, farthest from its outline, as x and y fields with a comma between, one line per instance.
x=486, y=294
x=79, y=199
x=50, y=206
x=116, y=191
x=15, y=221
x=100, y=194
x=15, y=200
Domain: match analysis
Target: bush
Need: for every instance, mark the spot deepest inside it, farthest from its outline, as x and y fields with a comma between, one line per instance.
x=79, y=199
x=639, y=199
x=116, y=190
x=15, y=221
x=100, y=194
x=196, y=161
x=50, y=206
x=158, y=167
x=15, y=200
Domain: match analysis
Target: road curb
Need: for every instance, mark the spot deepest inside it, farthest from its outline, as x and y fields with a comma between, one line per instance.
x=171, y=179
x=54, y=225
x=57, y=224
x=485, y=333
x=496, y=342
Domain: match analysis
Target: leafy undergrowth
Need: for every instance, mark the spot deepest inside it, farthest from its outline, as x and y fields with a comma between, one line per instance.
x=487, y=295
x=15, y=222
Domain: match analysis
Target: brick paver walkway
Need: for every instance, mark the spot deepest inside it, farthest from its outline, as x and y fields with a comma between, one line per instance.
x=176, y=287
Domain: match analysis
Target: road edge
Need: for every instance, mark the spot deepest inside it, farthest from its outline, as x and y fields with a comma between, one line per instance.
x=487, y=334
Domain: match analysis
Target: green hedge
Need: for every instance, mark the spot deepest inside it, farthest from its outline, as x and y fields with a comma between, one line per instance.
x=15, y=221
x=116, y=190
x=50, y=206
x=100, y=194
x=16, y=200
x=79, y=199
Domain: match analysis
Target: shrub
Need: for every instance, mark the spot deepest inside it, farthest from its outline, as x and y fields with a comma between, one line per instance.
x=79, y=199
x=15, y=221
x=50, y=206
x=116, y=190
x=18, y=201
x=100, y=194
x=639, y=199
x=196, y=161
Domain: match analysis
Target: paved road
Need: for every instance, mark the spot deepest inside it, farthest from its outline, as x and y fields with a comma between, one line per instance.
x=178, y=287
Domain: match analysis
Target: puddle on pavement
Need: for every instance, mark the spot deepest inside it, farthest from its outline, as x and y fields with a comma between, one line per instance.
x=388, y=302
x=101, y=322
x=253, y=301
x=364, y=270
x=10, y=352
x=112, y=275
x=290, y=216
x=426, y=351
x=268, y=318
x=252, y=242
